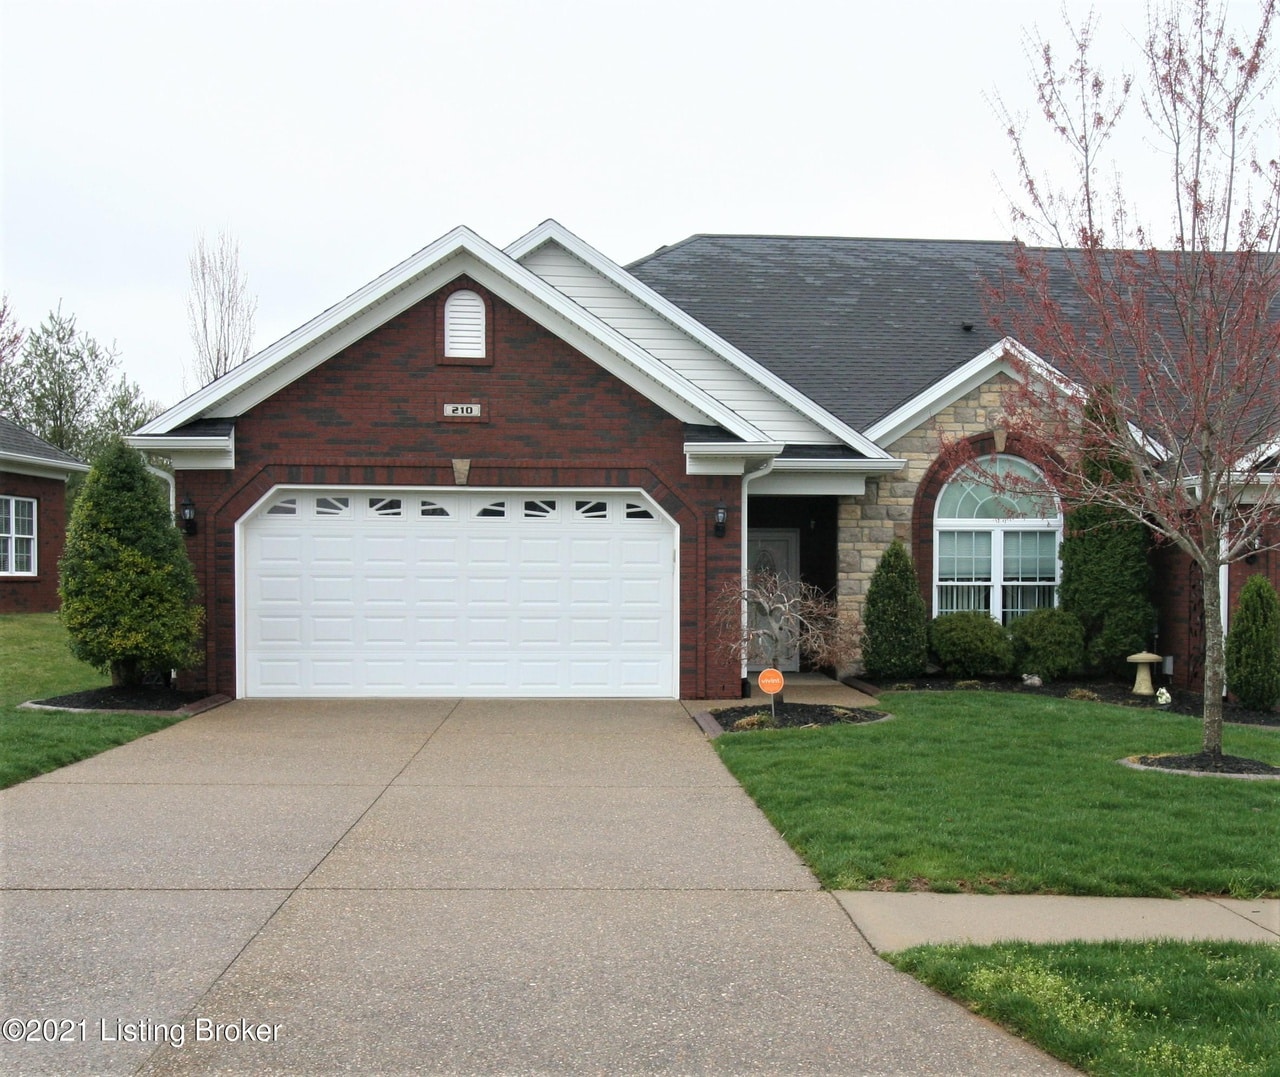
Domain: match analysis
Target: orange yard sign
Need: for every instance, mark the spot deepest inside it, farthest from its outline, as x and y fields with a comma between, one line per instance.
x=770, y=681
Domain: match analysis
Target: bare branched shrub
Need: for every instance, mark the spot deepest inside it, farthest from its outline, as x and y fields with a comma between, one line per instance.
x=771, y=617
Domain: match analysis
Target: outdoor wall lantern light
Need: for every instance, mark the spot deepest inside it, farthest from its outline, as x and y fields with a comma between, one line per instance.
x=188, y=513
x=722, y=518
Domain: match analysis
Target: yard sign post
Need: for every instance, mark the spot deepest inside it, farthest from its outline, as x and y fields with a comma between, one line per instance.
x=771, y=682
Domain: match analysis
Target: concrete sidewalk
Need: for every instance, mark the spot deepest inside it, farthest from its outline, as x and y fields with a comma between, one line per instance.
x=439, y=887
x=895, y=921
x=890, y=921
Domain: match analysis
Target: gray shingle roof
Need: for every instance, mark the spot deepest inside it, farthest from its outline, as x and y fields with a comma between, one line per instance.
x=859, y=325
x=17, y=441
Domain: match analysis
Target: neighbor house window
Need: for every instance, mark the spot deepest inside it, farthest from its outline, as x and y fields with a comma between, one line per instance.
x=464, y=326
x=17, y=536
x=996, y=550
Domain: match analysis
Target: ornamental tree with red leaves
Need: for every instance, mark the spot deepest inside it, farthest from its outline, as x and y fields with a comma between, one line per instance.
x=1154, y=348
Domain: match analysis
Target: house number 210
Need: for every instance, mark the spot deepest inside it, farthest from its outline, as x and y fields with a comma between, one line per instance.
x=463, y=411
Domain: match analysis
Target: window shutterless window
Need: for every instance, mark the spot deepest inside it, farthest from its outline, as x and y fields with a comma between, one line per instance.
x=997, y=551
x=17, y=536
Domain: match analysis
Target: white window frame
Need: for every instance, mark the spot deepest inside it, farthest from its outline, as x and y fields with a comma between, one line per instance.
x=9, y=538
x=998, y=529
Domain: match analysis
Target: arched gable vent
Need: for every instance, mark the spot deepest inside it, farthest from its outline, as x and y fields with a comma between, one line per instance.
x=464, y=326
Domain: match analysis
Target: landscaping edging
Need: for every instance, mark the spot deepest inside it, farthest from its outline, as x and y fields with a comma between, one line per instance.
x=709, y=725
x=185, y=711
x=1132, y=763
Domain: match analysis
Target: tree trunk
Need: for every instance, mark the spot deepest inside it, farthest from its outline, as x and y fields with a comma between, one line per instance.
x=1214, y=661
x=125, y=673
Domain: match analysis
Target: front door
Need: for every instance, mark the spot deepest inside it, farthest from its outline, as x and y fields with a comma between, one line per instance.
x=776, y=550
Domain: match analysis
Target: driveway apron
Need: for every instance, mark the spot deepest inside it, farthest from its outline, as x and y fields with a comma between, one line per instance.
x=439, y=886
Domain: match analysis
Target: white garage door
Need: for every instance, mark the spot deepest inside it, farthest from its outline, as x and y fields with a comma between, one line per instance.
x=392, y=592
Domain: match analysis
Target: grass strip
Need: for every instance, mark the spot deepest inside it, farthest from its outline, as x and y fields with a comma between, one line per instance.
x=1001, y=793
x=1144, y=1009
x=35, y=663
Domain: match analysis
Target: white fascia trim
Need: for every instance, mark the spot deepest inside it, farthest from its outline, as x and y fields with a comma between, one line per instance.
x=1262, y=452
x=200, y=403
x=553, y=231
x=412, y=280
x=946, y=391
x=833, y=477
x=719, y=458
x=190, y=453
x=38, y=466
x=881, y=466
x=621, y=357
x=978, y=370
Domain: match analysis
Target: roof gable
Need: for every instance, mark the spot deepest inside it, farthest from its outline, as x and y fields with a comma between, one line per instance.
x=680, y=341
x=459, y=252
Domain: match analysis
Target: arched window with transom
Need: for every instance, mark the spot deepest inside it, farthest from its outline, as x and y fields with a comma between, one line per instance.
x=996, y=546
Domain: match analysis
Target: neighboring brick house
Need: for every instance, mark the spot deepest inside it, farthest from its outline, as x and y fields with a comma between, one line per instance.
x=33, y=518
x=530, y=471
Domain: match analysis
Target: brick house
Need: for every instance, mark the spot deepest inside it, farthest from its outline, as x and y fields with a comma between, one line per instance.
x=33, y=518
x=531, y=471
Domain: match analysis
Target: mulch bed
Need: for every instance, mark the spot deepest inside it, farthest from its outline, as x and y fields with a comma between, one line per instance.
x=139, y=698
x=798, y=715
x=1204, y=763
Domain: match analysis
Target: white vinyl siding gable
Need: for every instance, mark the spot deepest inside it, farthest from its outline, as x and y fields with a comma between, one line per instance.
x=672, y=347
x=464, y=326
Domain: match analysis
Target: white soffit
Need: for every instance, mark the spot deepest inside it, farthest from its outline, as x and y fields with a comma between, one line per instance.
x=194, y=453
x=459, y=252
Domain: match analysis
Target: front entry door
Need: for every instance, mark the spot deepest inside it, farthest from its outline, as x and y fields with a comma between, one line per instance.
x=776, y=550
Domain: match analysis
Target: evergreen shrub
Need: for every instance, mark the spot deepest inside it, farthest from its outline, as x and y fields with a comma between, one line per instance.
x=127, y=587
x=971, y=644
x=895, y=640
x=1253, y=646
x=1106, y=583
x=1048, y=642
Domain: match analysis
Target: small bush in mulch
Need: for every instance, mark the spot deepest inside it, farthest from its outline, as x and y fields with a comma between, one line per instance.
x=143, y=697
x=791, y=716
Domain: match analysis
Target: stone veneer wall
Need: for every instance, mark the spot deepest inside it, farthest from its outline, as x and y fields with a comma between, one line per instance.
x=868, y=524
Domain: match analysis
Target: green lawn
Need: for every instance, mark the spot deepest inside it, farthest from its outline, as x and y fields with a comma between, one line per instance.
x=1169, y=1008
x=997, y=792
x=1004, y=793
x=35, y=663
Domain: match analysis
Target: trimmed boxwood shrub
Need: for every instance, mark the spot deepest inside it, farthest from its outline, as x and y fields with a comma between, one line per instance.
x=1253, y=646
x=1049, y=643
x=895, y=639
x=971, y=644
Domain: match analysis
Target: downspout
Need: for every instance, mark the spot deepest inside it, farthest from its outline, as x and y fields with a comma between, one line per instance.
x=169, y=481
x=747, y=479
x=1224, y=600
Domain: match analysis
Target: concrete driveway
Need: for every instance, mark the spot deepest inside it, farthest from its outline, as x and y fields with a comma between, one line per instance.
x=439, y=887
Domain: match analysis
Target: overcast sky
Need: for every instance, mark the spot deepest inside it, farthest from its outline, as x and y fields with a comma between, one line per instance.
x=334, y=139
